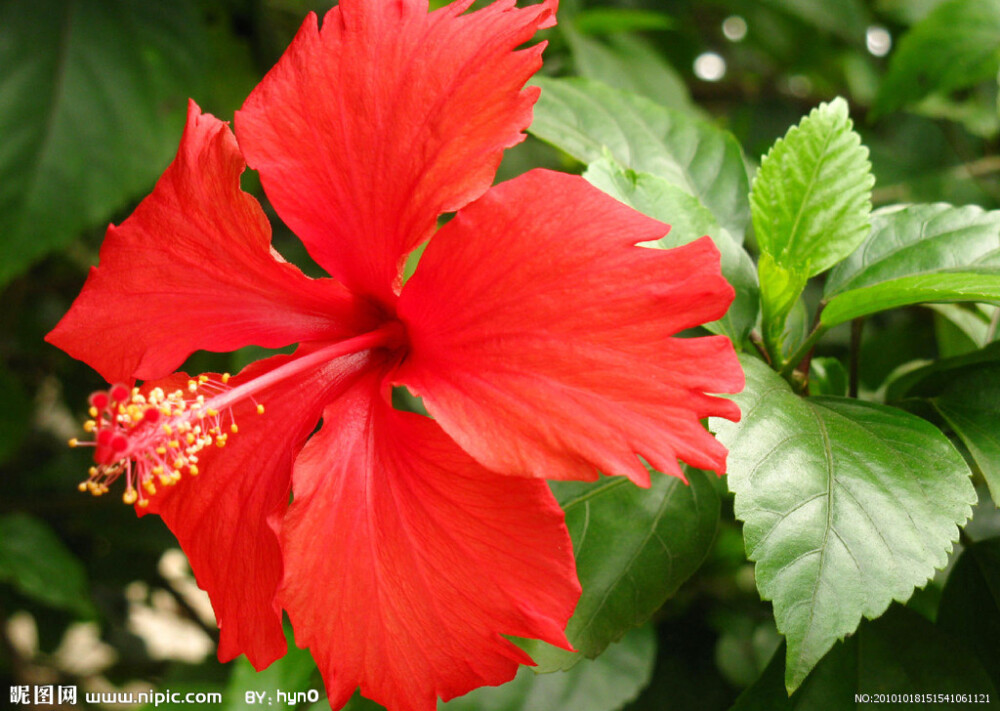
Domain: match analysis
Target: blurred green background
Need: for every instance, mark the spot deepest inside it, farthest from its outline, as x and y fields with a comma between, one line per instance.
x=92, y=100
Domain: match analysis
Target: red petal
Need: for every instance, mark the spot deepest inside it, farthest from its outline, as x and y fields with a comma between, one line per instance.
x=226, y=518
x=193, y=268
x=368, y=129
x=405, y=560
x=539, y=335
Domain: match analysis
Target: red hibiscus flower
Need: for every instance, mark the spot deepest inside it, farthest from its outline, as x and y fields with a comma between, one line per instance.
x=537, y=334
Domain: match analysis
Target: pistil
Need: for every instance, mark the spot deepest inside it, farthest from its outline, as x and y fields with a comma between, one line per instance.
x=153, y=437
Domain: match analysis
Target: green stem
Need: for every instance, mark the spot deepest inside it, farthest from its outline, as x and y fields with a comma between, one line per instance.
x=802, y=351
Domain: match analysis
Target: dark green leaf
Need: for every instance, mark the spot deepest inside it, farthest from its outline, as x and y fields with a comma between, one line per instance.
x=956, y=45
x=932, y=378
x=970, y=403
x=91, y=108
x=827, y=376
x=584, y=118
x=982, y=284
x=918, y=239
x=811, y=198
x=38, y=564
x=688, y=220
x=634, y=547
x=846, y=505
x=970, y=604
x=899, y=653
x=603, y=684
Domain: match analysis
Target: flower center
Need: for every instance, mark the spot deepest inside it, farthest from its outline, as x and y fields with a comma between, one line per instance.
x=153, y=438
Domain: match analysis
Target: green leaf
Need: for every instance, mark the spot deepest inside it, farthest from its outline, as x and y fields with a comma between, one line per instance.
x=846, y=506
x=970, y=403
x=292, y=674
x=955, y=46
x=970, y=604
x=603, y=684
x=92, y=99
x=935, y=253
x=40, y=566
x=607, y=20
x=932, y=378
x=811, y=198
x=982, y=284
x=899, y=653
x=634, y=547
x=632, y=64
x=846, y=18
x=918, y=239
x=689, y=220
x=780, y=292
x=584, y=117
x=827, y=376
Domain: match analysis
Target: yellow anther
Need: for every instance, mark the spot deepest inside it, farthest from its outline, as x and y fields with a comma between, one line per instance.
x=92, y=471
x=233, y=428
x=220, y=443
x=144, y=503
x=174, y=444
x=193, y=469
x=150, y=487
x=167, y=429
x=175, y=476
x=161, y=450
x=226, y=377
x=260, y=409
x=89, y=426
x=179, y=462
x=82, y=486
x=213, y=413
x=129, y=497
x=73, y=442
x=192, y=386
x=158, y=469
x=92, y=412
x=190, y=439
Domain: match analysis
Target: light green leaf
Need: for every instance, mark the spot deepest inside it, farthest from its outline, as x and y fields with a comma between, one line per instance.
x=846, y=506
x=689, y=220
x=981, y=284
x=634, y=547
x=899, y=653
x=92, y=100
x=931, y=378
x=603, y=684
x=781, y=289
x=970, y=604
x=955, y=46
x=918, y=239
x=631, y=64
x=811, y=198
x=827, y=376
x=40, y=566
x=583, y=118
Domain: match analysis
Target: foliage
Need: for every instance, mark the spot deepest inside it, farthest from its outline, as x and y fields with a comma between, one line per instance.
x=855, y=202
